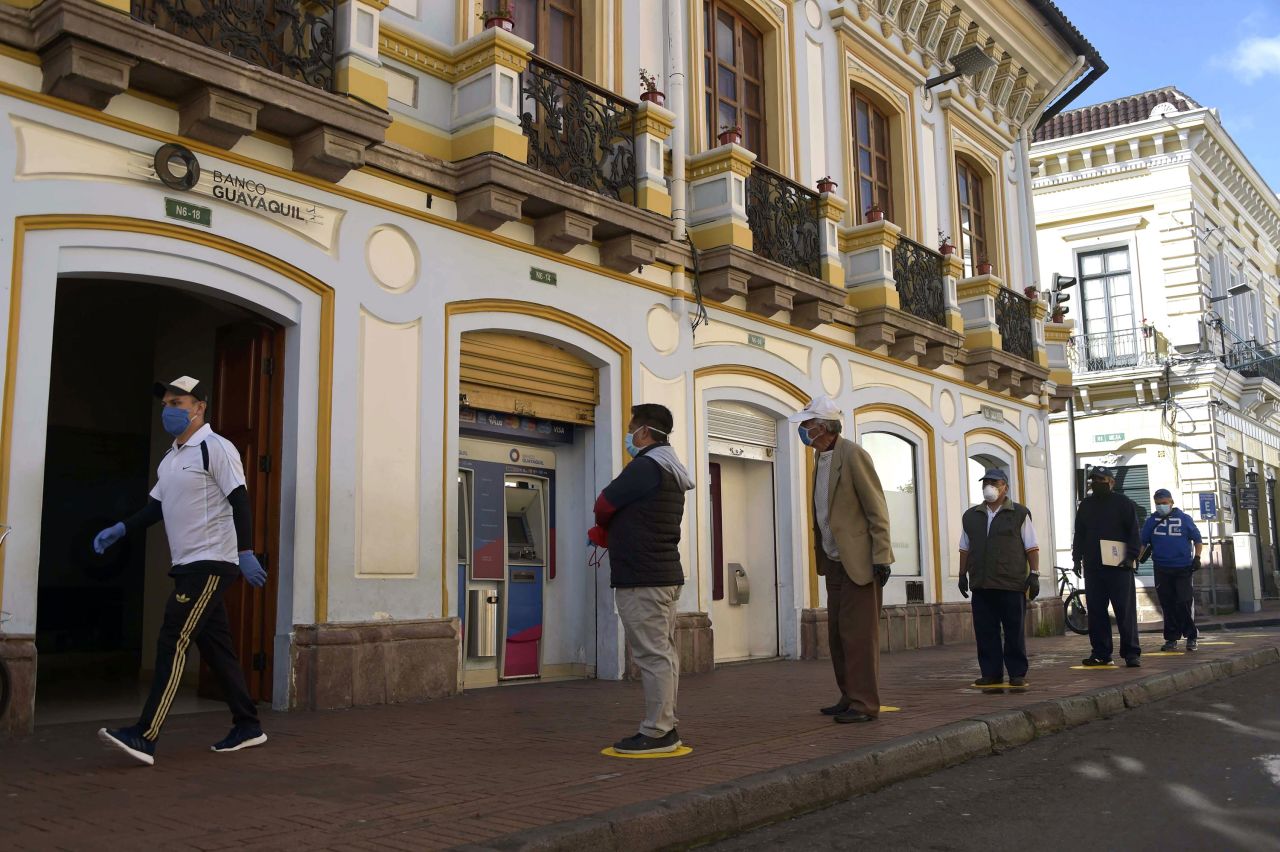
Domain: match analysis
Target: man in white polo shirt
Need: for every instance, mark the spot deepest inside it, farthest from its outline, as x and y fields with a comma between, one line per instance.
x=200, y=495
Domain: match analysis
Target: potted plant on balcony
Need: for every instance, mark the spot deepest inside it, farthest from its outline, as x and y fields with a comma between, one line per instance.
x=730, y=134
x=499, y=17
x=984, y=266
x=944, y=244
x=649, y=88
x=874, y=213
x=1059, y=314
x=826, y=184
x=1031, y=293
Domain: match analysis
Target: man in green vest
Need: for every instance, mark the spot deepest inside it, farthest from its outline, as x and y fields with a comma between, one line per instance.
x=999, y=562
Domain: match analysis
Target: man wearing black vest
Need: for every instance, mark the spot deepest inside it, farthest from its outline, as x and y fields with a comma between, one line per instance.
x=638, y=518
x=1108, y=543
x=999, y=562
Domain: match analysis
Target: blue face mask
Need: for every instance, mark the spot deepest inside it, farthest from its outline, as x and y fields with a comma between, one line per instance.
x=805, y=437
x=630, y=441
x=1163, y=508
x=175, y=420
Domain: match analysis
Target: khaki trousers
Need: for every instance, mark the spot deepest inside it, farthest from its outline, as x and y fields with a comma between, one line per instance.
x=649, y=620
x=853, y=631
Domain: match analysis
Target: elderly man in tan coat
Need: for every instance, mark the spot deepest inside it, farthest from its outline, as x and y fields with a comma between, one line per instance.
x=853, y=551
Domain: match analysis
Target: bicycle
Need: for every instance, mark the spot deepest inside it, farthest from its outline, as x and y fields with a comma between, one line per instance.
x=5, y=688
x=1077, y=617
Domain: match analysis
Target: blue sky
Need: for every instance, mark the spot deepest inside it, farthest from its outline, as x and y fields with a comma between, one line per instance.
x=1222, y=53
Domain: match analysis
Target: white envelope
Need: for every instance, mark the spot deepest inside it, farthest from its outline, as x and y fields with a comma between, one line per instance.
x=1113, y=552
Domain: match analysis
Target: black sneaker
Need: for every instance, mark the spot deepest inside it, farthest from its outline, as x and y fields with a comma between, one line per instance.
x=240, y=738
x=835, y=709
x=1017, y=681
x=642, y=744
x=1133, y=662
x=989, y=681
x=1095, y=662
x=1192, y=644
x=131, y=742
x=852, y=715
x=1171, y=645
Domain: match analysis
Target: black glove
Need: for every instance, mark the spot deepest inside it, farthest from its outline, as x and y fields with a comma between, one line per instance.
x=882, y=573
x=1195, y=565
x=1075, y=566
x=1033, y=586
x=964, y=585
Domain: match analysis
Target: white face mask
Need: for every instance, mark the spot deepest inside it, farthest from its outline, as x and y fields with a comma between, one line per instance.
x=990, y=493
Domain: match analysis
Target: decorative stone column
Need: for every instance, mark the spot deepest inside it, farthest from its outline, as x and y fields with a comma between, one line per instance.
x=1057, y=340
x=1039, y=310
x=952, y=273
x=977, y=298
x=718, y=197
x=868, y=265
x=653, y=126
x=486, y=98
x=831, y=210
x=358, y=68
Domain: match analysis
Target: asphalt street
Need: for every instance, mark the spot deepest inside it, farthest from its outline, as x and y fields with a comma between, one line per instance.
x=1199, y=771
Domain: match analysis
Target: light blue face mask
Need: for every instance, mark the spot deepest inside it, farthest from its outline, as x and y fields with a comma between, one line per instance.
x=1163, y=508
x=175, y=420
x=630, y=441
x=805, y=437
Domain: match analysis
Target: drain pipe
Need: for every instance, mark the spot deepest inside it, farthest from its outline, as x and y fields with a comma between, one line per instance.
x=675, y=91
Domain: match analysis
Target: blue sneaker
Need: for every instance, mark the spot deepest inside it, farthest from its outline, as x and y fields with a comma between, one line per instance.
x=131, y=742
x=240, y=737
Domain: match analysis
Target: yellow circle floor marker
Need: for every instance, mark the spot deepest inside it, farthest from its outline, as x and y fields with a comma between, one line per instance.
x=999, y=685
x=884, y=709
x=1217, y=643
x=679, y=752
x=1108, y=667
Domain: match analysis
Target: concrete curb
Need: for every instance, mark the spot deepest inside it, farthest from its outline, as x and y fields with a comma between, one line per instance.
x=737, y=806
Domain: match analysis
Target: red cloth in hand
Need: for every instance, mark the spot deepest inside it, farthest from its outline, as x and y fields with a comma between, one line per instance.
x=599, y=536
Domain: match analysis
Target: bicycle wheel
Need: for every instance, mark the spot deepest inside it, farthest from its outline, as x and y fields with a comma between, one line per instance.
x=1077, y=617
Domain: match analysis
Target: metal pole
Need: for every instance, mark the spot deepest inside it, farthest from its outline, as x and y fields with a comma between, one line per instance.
x=1217, y=496
x=1075, y=461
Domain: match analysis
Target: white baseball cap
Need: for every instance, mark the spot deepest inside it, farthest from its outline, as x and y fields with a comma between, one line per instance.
x=180, y=385
x=819, y=408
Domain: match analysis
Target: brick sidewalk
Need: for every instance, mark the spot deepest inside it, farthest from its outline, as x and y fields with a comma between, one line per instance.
x=491, y=762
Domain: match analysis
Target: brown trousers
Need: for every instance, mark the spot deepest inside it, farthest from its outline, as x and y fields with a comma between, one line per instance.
x=853, y=630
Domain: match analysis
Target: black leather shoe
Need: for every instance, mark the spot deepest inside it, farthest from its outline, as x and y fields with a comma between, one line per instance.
x=1094, y=662
x=849, y=716
x=1017, y=681
x=989, y=681
x=835, y=709
x=1133, y=662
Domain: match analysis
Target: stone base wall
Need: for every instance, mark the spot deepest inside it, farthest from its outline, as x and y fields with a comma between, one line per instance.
x=914, y=626
x=19, y=656
x=349, y=665
x=695, y=640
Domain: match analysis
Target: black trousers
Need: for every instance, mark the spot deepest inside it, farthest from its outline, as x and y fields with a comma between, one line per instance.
x=996, y=611
x=196, y=612
x=1174, y=591
x=1111, y=587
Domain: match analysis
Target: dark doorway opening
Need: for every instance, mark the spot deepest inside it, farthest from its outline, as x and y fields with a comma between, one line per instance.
x=97, y=616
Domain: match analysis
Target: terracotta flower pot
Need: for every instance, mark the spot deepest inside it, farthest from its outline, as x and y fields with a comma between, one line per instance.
x=874, y=213
x=654, y=97
x=507, y=24
x=730, y=137
x=827, y=186
x=984, y=268
x=947, y=248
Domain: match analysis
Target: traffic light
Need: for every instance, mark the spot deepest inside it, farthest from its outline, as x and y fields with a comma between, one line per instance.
x=1057, y=298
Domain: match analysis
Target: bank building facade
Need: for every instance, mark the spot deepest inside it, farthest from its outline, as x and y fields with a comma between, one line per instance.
x=427, y=255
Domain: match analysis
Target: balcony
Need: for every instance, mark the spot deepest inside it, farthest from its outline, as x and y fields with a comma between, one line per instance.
x=784, y=221
x=207, y=58
x=1120, y=350
x=1004, y=338
x=590, y=169
x=918, y=276
x=288, y=37
x=1013, y=318
x=1254, y=360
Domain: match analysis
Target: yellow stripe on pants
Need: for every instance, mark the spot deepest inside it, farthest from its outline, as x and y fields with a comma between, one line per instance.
x=180, y=657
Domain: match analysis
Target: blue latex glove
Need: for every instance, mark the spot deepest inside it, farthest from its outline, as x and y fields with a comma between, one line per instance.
x=252, y=570
x=107, y=537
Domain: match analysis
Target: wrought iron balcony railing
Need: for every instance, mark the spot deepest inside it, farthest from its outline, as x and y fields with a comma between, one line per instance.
x=1114, y=350
x=294, y=38
x=1255, y=360
x=783, y=216
x=1013, y=318
x=577, y=131
x=917, y=271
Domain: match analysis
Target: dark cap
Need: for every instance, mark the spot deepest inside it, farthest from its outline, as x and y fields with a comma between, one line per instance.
x=181, y=385
x=995, y=473
x=1101, y=473
x=1163, y=492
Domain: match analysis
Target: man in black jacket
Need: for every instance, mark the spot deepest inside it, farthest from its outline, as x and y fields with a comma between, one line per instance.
x=638, y=518
x=1108, y=543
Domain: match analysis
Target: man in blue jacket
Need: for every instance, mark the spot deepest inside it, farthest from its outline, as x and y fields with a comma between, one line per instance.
x=1175, y=550
x=1107, y=544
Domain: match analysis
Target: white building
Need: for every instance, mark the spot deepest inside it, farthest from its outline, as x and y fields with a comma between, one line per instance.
x=429, y=265
x=1175, y=240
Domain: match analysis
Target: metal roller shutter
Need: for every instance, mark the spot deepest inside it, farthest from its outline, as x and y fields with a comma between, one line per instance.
x=520, y=375
x=740, y=424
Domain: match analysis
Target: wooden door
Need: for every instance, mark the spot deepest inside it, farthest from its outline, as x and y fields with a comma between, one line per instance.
x=246, y=409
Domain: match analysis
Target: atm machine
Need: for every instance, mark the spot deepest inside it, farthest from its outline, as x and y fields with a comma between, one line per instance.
x=506, y=556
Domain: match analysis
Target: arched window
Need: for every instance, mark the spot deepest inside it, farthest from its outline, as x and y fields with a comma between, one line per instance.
x=734, y=73
x=973, y=224
x=896, y=464
x=873, y=179
x=554, y=27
